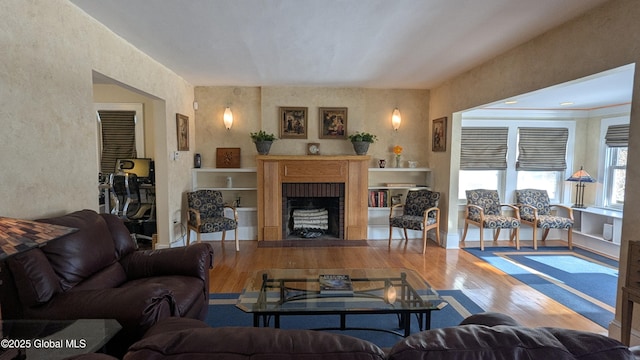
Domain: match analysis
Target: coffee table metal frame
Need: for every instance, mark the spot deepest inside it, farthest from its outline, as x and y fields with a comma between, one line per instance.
x=294, y=290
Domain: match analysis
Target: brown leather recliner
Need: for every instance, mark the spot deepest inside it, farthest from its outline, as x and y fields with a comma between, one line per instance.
x=97, y=272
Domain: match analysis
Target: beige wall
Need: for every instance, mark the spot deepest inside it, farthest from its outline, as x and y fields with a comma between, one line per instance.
x=258, y=109
x=49, y=50
x=602, y=39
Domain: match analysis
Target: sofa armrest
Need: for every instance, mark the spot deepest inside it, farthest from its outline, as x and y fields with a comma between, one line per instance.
x=193, y=260
x=135, y=307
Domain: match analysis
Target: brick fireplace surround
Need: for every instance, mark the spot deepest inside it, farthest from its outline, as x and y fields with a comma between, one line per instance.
x=274, y=170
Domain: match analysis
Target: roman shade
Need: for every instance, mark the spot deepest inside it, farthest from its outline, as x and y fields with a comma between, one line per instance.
x=483, y=148
x=617, y=136
x=542, y=149
x=118, y=137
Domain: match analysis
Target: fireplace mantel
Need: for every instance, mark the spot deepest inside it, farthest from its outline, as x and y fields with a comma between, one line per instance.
x=273, y=170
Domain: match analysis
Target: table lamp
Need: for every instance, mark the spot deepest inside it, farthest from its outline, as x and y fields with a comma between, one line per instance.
x=581, y=177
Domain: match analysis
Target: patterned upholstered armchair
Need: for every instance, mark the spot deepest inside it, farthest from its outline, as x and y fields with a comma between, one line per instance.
x=536, y=211
x=206, y=215
x=484, y=210
x=420, y=212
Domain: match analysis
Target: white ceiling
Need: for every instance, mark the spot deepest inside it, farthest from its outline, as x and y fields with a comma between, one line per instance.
x=407, y=44
x=607, y=89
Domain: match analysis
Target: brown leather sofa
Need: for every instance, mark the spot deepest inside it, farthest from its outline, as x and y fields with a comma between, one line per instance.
x=481, y=336
x=96, y=272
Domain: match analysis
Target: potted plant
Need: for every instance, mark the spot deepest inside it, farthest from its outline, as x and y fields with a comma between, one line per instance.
x=361, y=141
x=263, y=141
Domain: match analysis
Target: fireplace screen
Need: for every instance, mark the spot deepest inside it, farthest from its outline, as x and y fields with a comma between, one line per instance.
x=313, y=210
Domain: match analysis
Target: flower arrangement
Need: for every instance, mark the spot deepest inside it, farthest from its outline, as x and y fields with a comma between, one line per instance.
x=398, y=151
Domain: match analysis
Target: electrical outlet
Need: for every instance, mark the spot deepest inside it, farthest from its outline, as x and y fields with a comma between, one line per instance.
x=176, y=217
x=176, y=155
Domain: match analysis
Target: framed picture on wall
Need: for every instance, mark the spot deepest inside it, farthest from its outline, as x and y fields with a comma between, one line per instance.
x=333, y=123
x=182, y=127
x=439, y=134
x=293, y=122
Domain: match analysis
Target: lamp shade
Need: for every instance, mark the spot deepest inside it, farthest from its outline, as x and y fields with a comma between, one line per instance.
x=581, y=176
x=396, y=119
x=228, y=118
x=18, y=235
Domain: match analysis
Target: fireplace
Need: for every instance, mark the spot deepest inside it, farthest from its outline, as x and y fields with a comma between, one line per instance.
x=347, y=215
x=313, y=210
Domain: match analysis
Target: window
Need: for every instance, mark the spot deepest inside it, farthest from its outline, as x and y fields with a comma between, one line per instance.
x=483, y=158
x=537, y=156
x=542, y=153
x=118, y=137
x=479, y=179
x=617, y=141
x=543, y=180
x=615, y=172
x=111, y=151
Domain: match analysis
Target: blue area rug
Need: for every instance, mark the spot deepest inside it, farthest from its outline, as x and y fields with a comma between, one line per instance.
x=223, y=312
x=581, y=280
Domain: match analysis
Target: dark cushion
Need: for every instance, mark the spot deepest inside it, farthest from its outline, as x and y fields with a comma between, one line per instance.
x=507, y=342
x=34, y=278
x=77, y=256
x=589, y=346
x=166, y=340
x=490, y=319
x=109, y=277
x=120, y=235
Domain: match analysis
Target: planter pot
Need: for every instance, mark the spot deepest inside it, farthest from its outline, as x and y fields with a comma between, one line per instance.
x=263, y=147
x=361, y=147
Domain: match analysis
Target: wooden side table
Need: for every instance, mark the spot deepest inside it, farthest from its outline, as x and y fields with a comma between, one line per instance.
x=629, y=297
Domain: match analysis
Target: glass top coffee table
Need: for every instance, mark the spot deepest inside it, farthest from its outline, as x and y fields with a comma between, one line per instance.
x=280, y=292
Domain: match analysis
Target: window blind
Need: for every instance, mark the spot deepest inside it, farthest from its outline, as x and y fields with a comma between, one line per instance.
x=118, y=138
x=542, y=149
x=617, y=136
x=483, y=148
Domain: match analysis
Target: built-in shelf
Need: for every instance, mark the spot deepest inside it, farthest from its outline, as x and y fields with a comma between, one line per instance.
x=247, y=209
x=243, y=187
x=598, y=229
x=400, y=169
x=389, y=181
x=229, y=188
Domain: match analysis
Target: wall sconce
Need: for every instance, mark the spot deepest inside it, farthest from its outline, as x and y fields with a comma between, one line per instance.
x=228, y=118
x=580, y=177
x=396, y=119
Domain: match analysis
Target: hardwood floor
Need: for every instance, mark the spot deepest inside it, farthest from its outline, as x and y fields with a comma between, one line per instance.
x=444, y=269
